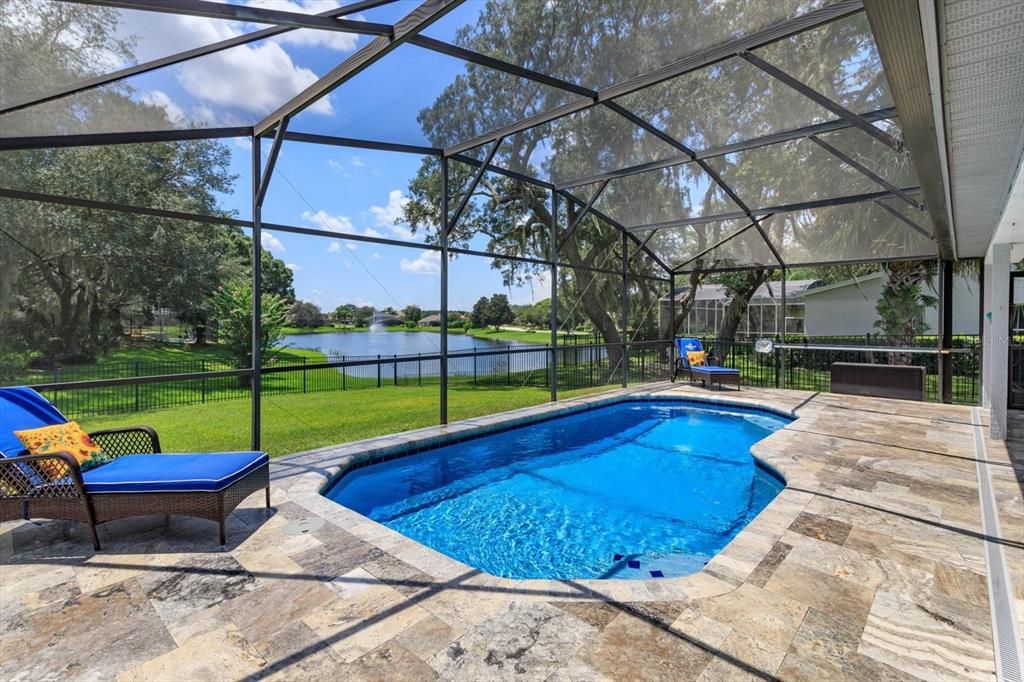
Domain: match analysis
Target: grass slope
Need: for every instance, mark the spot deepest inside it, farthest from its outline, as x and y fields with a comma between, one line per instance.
x=293, y=423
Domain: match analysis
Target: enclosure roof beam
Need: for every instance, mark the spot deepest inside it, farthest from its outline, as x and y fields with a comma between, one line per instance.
x=698, y=60
x=711, y=248
x=783, y=208
x=814, y=264
x=179, y=57
x=582, y=214
x=248, y=13
x=722, y=150
x=268, y=172
x=499, y=65
x=910, y=223
x=821, y=100
x=449, y=224
x=125, y=208
x=704, y=165
x=355, y=143
x=867, y=172
x=616, y=224
x=423, y=16
x=97, y=139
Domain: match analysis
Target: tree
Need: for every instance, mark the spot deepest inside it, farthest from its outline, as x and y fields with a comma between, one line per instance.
x=479, y=315
x=344, y=312
x=305, y=314
x=597, y=43
x=499, y=311
x=232, y=306
x=66, y=274
x=412, y=313
x=362, y=316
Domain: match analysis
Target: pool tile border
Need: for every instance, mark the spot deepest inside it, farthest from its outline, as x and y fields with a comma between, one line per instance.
x=726, y=571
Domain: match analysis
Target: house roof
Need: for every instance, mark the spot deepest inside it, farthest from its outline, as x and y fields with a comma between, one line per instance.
x=847, y=282
x=768, y=291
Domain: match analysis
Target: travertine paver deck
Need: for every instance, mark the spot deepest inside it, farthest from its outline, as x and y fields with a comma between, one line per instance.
x=869, y=566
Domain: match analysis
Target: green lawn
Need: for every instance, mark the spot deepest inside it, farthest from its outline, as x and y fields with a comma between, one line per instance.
x=297, y=422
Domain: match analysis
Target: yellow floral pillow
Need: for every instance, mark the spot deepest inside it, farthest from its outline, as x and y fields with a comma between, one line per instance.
x=696, y=358
x=67, y=437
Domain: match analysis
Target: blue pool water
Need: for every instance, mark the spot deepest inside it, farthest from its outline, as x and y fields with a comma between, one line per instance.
x=617, y=491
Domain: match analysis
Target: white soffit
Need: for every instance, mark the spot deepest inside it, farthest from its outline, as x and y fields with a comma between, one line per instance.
x=983, y=57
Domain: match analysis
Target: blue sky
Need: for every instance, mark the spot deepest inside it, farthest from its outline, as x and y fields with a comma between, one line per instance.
x=332, y=188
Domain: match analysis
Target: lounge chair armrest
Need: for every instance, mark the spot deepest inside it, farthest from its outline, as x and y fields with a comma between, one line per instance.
x=130, y=440
x=24, y=476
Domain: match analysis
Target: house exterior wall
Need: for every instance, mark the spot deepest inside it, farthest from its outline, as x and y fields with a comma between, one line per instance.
x=850, y=310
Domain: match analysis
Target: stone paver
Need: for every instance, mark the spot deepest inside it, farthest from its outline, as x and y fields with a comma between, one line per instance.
x=870, y=565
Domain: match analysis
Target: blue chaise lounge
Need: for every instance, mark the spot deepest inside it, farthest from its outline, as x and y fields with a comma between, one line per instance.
x=693, y=362
x=137, y=481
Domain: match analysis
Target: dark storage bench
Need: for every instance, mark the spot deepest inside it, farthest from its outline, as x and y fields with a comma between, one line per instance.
x=906, y=382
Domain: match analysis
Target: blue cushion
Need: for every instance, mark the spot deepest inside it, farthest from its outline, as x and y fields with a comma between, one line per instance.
x=206, y=472
x=22, y=408
x=714, y=370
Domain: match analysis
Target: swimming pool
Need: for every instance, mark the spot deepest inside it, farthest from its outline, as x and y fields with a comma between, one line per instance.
x=632, y=489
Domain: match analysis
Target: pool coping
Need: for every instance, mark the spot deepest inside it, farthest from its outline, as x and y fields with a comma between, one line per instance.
x=726, y=571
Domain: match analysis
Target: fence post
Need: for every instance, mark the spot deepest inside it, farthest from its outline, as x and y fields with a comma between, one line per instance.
x=378, y=370
x=344, y=374
x=136, y=386
x=508, y=365
x=202, y=368
x=778, y=359
x=474, y=366
x=419, y=369
x=394, y=370
x=303, y=375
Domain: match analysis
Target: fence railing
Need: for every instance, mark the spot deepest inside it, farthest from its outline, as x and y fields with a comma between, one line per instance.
x=142, y=386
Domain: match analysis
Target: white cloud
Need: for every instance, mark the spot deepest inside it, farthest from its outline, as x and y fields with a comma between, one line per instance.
x=294, y=267
x=351, y=246
x=375, y=255
x=357, y=162
x=334, y=247
x=325, y=221
x=272, y=243
x=427, y=263
x=256, y=78
x=390, y=217
x=159, y=98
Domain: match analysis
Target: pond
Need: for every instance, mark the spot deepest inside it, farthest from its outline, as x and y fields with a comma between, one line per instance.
x=470, y=355
x=371, y=344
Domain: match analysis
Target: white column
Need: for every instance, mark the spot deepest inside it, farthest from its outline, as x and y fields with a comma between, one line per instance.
x=985, y=331
x=997, y=340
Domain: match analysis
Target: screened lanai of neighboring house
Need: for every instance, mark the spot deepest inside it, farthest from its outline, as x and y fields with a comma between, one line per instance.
x=616, y=147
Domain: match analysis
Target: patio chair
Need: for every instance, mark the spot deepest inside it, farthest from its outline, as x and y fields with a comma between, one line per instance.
x=693, y=362
x=138, y=481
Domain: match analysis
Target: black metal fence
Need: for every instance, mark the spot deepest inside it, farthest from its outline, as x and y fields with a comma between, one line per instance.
x=579, y=366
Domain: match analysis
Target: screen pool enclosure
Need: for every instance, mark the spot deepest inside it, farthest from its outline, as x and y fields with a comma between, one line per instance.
x=764, y=135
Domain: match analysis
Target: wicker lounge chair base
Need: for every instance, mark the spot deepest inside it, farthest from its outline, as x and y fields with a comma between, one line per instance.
x=139, y=482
